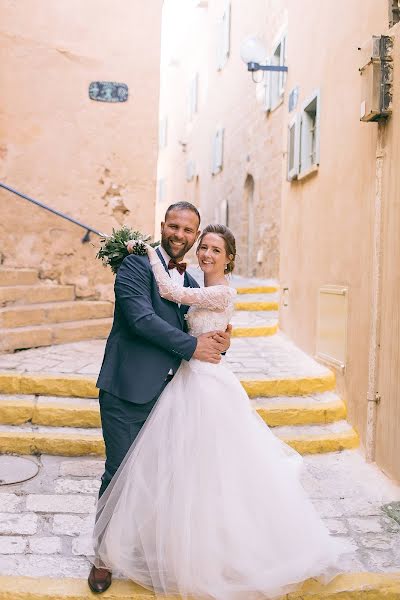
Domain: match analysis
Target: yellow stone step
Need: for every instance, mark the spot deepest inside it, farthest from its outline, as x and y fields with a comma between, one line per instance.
x=84, y=412
x=350, y=586
x=258, y=289
x=254, y=331
x=10, y=276
x=68, y=441
x=52, y=334
x=54, y=312
x=12, y=382
x=255, y=306
x=32, y=294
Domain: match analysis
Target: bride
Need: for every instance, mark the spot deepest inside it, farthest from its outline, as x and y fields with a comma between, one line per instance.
x=208, y=502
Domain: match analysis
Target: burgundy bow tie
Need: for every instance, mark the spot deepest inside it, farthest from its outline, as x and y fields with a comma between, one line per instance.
x=179, y=266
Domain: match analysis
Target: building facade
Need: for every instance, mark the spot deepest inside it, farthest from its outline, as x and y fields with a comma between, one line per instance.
x=223, y=144
x=303, y=169
x=95, y=161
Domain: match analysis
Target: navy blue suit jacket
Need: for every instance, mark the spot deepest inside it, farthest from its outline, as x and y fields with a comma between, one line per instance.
x=148, y=336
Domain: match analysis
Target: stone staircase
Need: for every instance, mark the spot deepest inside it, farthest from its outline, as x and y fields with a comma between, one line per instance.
x=34, y=313
x=57, y=413
x=49, y=408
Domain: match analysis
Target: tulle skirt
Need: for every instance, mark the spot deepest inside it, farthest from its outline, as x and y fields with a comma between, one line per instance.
x=208, y=502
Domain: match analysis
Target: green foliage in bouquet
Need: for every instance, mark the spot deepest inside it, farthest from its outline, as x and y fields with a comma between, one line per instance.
x=113, y=247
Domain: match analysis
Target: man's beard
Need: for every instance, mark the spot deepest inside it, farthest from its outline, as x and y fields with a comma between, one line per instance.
x=174, y=252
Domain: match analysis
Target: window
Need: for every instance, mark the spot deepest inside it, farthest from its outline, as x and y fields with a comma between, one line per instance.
x=163, y=133
x=293, y=148
x=309, y=134
x=161, y=190
x=394, y=12
x=193, y=96
x=190, y=170
x=263, y=89
x=224, y=37
x=303, y=139
x=218, y=151
x=277, y=79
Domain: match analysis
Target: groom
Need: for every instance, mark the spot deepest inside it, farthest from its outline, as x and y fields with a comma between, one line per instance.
x=146, y=345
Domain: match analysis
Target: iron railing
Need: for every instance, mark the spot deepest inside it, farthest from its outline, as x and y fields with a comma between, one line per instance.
x=89, y=230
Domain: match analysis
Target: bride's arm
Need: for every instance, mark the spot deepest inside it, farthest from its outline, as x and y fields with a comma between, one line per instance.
x=214, y=297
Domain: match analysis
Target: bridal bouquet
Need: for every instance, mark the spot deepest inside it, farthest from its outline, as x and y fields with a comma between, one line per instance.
x=113, y=247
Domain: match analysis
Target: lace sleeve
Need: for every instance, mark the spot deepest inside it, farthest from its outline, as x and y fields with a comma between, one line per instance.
x=216, y=297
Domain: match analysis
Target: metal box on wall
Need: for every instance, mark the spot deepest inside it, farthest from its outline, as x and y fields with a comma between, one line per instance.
x=376, y=78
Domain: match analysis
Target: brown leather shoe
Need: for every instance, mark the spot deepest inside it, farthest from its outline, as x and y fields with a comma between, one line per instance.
x=99, y=580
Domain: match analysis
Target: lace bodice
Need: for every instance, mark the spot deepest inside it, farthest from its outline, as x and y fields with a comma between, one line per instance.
x=211, y=308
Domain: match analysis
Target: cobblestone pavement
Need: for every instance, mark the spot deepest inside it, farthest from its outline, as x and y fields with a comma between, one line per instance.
x=46, y=523
x=249, y=358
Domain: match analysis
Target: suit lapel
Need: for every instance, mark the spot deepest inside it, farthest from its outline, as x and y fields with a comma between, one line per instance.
x=160, y=256
x=178, y=308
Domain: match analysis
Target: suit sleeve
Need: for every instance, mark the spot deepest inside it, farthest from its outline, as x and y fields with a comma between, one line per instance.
x=132, y=292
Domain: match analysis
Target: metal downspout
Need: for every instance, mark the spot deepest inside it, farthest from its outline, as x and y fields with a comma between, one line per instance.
x=373, y=397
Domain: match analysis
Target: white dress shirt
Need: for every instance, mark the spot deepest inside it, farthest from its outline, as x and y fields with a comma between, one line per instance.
x=177, y=277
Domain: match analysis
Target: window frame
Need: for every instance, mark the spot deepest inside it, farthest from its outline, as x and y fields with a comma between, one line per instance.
x=294, y=124
x=277, y=80
x=314, y=97
x=224, y=36
x=194, y=96
x=218, y=151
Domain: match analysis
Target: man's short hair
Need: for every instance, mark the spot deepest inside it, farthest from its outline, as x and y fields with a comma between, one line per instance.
x=182, y=206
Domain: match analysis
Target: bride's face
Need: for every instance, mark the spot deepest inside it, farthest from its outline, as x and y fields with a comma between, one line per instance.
x=211, y=254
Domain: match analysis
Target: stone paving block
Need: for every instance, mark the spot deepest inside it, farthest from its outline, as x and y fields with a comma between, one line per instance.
x=82, y=546
x=45, y=545
x=336, y=526
x=367, y=525
x=32, y=565
x=72, y=525
x=82, y=468
x=60, y=503
x=77, y=486
x=12, y=544
x=10, y=502
x=11, y=524
x=379, y=542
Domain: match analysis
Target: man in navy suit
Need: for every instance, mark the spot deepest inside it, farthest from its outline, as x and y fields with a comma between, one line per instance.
x=146, y=345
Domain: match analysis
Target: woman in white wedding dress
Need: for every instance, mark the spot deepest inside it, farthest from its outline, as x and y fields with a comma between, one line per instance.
x=208, y=502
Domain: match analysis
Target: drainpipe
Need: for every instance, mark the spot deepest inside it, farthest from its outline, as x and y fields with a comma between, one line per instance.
x=373, y=397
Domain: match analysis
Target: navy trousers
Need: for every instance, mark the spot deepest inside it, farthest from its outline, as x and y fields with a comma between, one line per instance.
x=121, y=422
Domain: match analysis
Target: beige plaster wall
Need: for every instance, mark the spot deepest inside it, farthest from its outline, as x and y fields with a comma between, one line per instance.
x=95, y=161
x=253, y=142
x=388, y=383
x=328, y=217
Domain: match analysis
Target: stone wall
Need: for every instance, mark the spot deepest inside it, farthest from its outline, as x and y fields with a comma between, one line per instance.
x=95, y=161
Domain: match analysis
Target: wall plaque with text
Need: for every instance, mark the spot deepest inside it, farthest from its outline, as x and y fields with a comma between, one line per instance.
x=108, y=91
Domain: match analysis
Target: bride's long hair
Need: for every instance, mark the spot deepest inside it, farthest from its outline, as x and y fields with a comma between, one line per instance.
x=229, y=239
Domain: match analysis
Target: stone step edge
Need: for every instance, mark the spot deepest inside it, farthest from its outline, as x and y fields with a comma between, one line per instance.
x=84, y=387
x=81, y=444
x=257, y=306
x=350, y=586
x=18, y=412
x=258, y=289
x=254, y=331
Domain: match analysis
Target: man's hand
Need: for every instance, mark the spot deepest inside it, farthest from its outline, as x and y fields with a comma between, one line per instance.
x=208, y=348
x=224, y=338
